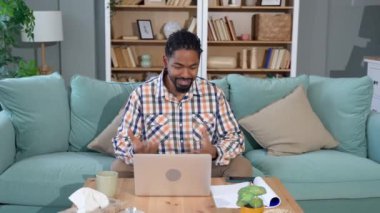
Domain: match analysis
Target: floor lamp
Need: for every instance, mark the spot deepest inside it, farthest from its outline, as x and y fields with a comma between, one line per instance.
x=48, y=28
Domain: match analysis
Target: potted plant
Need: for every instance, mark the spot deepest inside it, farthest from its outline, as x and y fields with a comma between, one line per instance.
x=249, y=200
x=15, y=16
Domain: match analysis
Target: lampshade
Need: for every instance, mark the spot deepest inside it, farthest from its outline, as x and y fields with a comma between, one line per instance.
x=48, y=27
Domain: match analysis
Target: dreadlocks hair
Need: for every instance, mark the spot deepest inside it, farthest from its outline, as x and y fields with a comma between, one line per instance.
x=182, y=39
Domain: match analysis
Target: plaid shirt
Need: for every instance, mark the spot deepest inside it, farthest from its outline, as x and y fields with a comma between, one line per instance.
x=154, y=114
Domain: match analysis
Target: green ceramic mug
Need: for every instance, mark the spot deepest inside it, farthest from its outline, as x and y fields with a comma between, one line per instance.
x=106, y=182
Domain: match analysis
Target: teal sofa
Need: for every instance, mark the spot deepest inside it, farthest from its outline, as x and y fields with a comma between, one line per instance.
x=45, y=129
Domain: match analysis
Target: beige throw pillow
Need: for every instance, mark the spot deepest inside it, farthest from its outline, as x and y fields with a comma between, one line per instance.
x=103, y=142
x=289, y=126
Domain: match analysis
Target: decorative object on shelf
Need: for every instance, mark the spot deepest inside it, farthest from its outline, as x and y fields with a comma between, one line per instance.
x=155, y=2
x=48, y=28
x=145, y=29
x=13, y=16
x=270, y=2
x=145, y=61
x=249, y=200
x=159, y=36
x=272, y=27
x=234, y=3
x=245, y=37
x=221, y=62
x=171, y=27
x=250, y=2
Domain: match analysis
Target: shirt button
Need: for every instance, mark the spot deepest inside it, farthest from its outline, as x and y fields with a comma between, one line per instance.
x=180, y=124
x=181, y=141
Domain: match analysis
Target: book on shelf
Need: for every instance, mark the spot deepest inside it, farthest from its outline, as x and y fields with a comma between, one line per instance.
x=274, y=58
x=113, y=58
x=253, y=62
x=219, y=29
x=268, y=54
x=179, y=2
x=243, y=59
x=226, y=30
x=230, y=28
x=192, y=24
x=119, y=57
x=280, y=58
x=126, y=58
x=212, y=29
x=130, y=2
x=124, y=37
x=131, y=57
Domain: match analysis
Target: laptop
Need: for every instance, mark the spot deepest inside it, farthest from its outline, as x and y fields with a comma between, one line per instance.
x=172, y=174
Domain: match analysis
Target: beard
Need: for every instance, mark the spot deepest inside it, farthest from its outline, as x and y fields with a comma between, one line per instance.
x=182, y=85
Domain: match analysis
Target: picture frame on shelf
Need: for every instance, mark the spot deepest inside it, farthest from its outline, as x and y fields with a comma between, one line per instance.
x=270, y=2
x=145, y=29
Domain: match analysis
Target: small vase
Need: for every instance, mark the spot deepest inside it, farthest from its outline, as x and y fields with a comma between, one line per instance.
x=251, y=210
x=145, y=61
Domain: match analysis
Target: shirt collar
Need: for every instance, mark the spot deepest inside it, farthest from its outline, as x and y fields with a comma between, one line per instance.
x=162, y=91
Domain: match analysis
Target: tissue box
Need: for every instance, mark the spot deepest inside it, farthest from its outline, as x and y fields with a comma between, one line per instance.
x=272, y=27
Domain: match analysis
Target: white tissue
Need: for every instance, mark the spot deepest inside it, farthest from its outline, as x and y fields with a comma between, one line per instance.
x=87, y=199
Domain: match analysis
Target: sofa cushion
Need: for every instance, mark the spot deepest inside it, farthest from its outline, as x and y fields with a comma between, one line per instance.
x=8, y=149
x=343, y=105
x=103, y=142
x=288, y=126
x=39, y=111
x=249, y=95
x=94, y=104
x=324, y=174
x=50, y=178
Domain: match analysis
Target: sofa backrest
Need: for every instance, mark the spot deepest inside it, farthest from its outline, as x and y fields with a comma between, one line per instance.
x=94, y=104
x=39, y=111
x=343, y=106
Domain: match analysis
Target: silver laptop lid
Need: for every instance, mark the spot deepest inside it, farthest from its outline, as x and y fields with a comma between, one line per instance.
x=172, y=174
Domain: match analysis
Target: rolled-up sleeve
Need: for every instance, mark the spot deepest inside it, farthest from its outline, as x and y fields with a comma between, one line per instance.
x=230, y=141
x=131, y=120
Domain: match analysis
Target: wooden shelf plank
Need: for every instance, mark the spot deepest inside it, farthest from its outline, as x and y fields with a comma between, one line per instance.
x=250, y=8
x=240, y=42
x=139, y=42
x=161, y=8
x=136, y=69
x=239, y=70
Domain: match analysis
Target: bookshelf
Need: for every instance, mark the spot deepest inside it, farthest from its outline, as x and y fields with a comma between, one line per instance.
x=282, y=59
x=122, y=32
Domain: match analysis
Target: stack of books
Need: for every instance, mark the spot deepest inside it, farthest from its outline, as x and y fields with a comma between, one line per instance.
x=123, y=57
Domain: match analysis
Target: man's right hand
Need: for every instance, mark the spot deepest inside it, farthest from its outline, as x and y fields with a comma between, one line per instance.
x=141, y=147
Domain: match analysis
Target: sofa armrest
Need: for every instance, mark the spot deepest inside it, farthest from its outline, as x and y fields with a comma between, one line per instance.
x=373, y=136
x=7, y=142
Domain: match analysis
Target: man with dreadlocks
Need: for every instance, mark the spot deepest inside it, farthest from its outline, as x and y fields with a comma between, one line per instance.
x=178, y=112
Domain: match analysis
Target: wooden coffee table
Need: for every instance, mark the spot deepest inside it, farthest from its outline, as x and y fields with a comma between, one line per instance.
x=126, y=190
